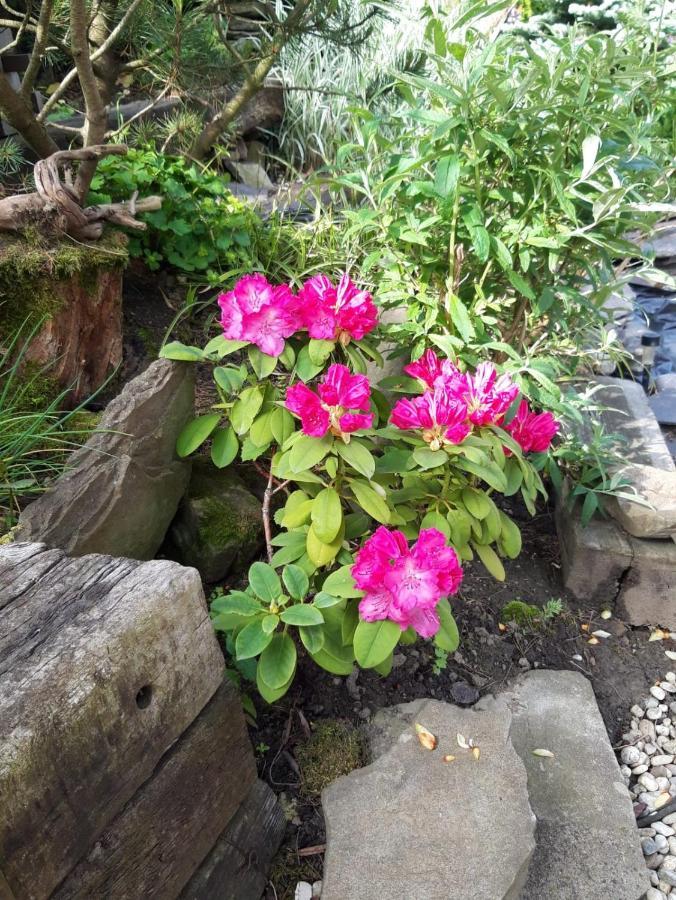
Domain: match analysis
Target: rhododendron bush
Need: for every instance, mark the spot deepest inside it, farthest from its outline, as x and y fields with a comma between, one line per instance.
x=383, y=497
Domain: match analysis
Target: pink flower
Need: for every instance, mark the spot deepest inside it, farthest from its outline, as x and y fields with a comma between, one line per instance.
x=429, y=368
x=487, y=395
x=402, y=584
x=259, y=312
x=336, y=313
x=532, y=431
x=441, y=416
x=328, y=409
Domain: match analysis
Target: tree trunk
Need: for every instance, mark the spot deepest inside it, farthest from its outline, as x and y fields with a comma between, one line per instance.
x=20, y=116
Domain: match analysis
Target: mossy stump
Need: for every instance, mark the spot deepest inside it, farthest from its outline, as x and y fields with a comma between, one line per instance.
x=68, y=296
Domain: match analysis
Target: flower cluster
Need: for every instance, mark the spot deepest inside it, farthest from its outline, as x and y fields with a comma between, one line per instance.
x=405, y=584
x=327, y=410
x=454, y=401
x=265, y=315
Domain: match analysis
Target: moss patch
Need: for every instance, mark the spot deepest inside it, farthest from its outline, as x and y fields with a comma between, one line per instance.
x=334, y=749
x=30, y=265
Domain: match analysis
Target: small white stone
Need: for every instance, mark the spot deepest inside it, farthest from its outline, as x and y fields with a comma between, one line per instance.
x=657, y=692
x=672, y=845
x=671, y=677
x=630, y=756
x=637, y=712
x=654, y=714
x=303, y=891
x=639, y=770
x=651, y=703
x=670, y=863
x=661, y=843
x=654, y=861
x=663, y=783
x=648, y=782
x=654, y=879
x=654, y=894
x=668, y=687
x=662, y=759
x=625, y=771
x=650, y=749
x=670, y=819
x=316, y=889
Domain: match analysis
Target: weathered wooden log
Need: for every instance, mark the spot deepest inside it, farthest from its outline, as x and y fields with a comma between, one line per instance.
x=104, y=663
x=165, y=831
x=55, y=206
x=237, y=867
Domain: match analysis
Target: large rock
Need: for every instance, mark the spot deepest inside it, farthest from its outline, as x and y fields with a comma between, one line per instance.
x=123, y=487
x=411, y=826
x=587, y=841
x=650, y=468
x=104, y=663
x=602, y=564
x=218, y=528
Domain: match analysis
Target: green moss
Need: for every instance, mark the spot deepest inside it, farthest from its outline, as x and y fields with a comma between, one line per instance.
x=30, y=265
x=38, y=389
x=524, y=614
x=334, y=749
x=288, y=868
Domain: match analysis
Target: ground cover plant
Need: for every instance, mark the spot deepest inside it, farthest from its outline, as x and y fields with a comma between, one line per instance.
x=382, y=500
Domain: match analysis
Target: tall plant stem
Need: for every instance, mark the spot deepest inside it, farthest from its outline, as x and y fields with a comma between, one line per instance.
x=267, y=498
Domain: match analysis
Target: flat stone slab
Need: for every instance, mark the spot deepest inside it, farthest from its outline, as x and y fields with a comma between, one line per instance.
x=587, y=841
x=603, y=564
x=410, y=826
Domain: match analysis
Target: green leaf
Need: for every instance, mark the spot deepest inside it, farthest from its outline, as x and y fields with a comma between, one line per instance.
x=228, y=378
x=261, y=432
x=265, y=582
x=262, y=364
x=319, y=351
x=491, y=560
x=589, y=507
x=296, y=582
x=302, y=614
x=358, y=457
x=305, y=368
x=446, y=175
x=312, y=637
x=341, y=584
x=327, y=515
x=308, y=451
x=270, y=623
x=236, y=602
x=334, y=656
x=460, y=318
x=251, y=640
x=320, y=552
x=195, y=433
x=270, y=694
x=277, y=664
x=436, y=520
x=371, y=502
x=179, y=351
x=224, y=447
x=282, y=424
x=520, y=284
x=374, y=641
x=322, y=600
x=510, y=536
x=490, y=473
x=429, y=459
x=385, y=667
x=447, y=637
x=246, y=409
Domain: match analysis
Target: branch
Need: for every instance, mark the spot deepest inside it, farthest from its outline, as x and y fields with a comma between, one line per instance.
x=21, y=117
x=267, y=497
x=97, y=54
x=39, y=45
x=111, y=134
x=20, y=31
x=213, y=129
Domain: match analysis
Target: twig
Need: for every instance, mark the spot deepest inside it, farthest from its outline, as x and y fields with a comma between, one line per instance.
x=312, y=851
x=141, y=112
x=267, y=496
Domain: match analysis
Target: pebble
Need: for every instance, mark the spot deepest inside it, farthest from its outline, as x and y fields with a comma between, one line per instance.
x=649, y=846
x=316, y=889
x=303, y=891
x=671, y=677
x=670, y=819
x=660, y=771
x=650, y=749
x=646, y=729
x=637, y=712
x=672, y=845
x=670, y=863
x=364, y=713
x=657, y=692
x=398, y=660
x=653, y=714
x=669, y=746
x=523, y=663
x=654, y=878
x=668, y=876
x=465, y=694
x=654, y=894
x=661, y=843
x=630, y=756
x=654, y=861
x=668, y=687
x=661, y=828
x=648, y=782
x=651, y=703
x=639, y=770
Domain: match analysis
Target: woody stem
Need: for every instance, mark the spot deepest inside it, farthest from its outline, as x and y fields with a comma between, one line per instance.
x=267, y=497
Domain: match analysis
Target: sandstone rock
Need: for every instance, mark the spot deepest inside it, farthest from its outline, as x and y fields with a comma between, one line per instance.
x=104, y=663
x=123, y=487
x=587, y=840
x=435, y=830
x=218, y=527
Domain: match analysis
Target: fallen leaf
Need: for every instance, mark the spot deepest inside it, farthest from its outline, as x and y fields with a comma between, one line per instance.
x=476, y=753
x=662, y=800
x=593, y=640
x=426, y=738
x=449, y=758
x=502, y=626
x=462, y=742
x=659, y=635
x=539, y=752
x=584, y=627
x=606, y=614
x=601, y=634
x=670, y=653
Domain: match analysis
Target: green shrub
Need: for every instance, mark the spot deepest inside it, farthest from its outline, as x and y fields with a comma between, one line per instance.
x=201, y=224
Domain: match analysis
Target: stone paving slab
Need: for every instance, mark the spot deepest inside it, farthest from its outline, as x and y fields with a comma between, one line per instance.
x=411, y=826
x=587, y=840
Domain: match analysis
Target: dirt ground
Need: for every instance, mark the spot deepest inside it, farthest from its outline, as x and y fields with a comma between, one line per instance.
x=491, y=652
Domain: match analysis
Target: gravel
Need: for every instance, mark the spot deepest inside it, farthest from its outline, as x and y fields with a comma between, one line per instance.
x=648, y=768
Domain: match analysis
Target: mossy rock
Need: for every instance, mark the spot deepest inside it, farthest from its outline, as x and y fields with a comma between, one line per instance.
x=218, y=528
x=30, y=265
x=334, y=749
